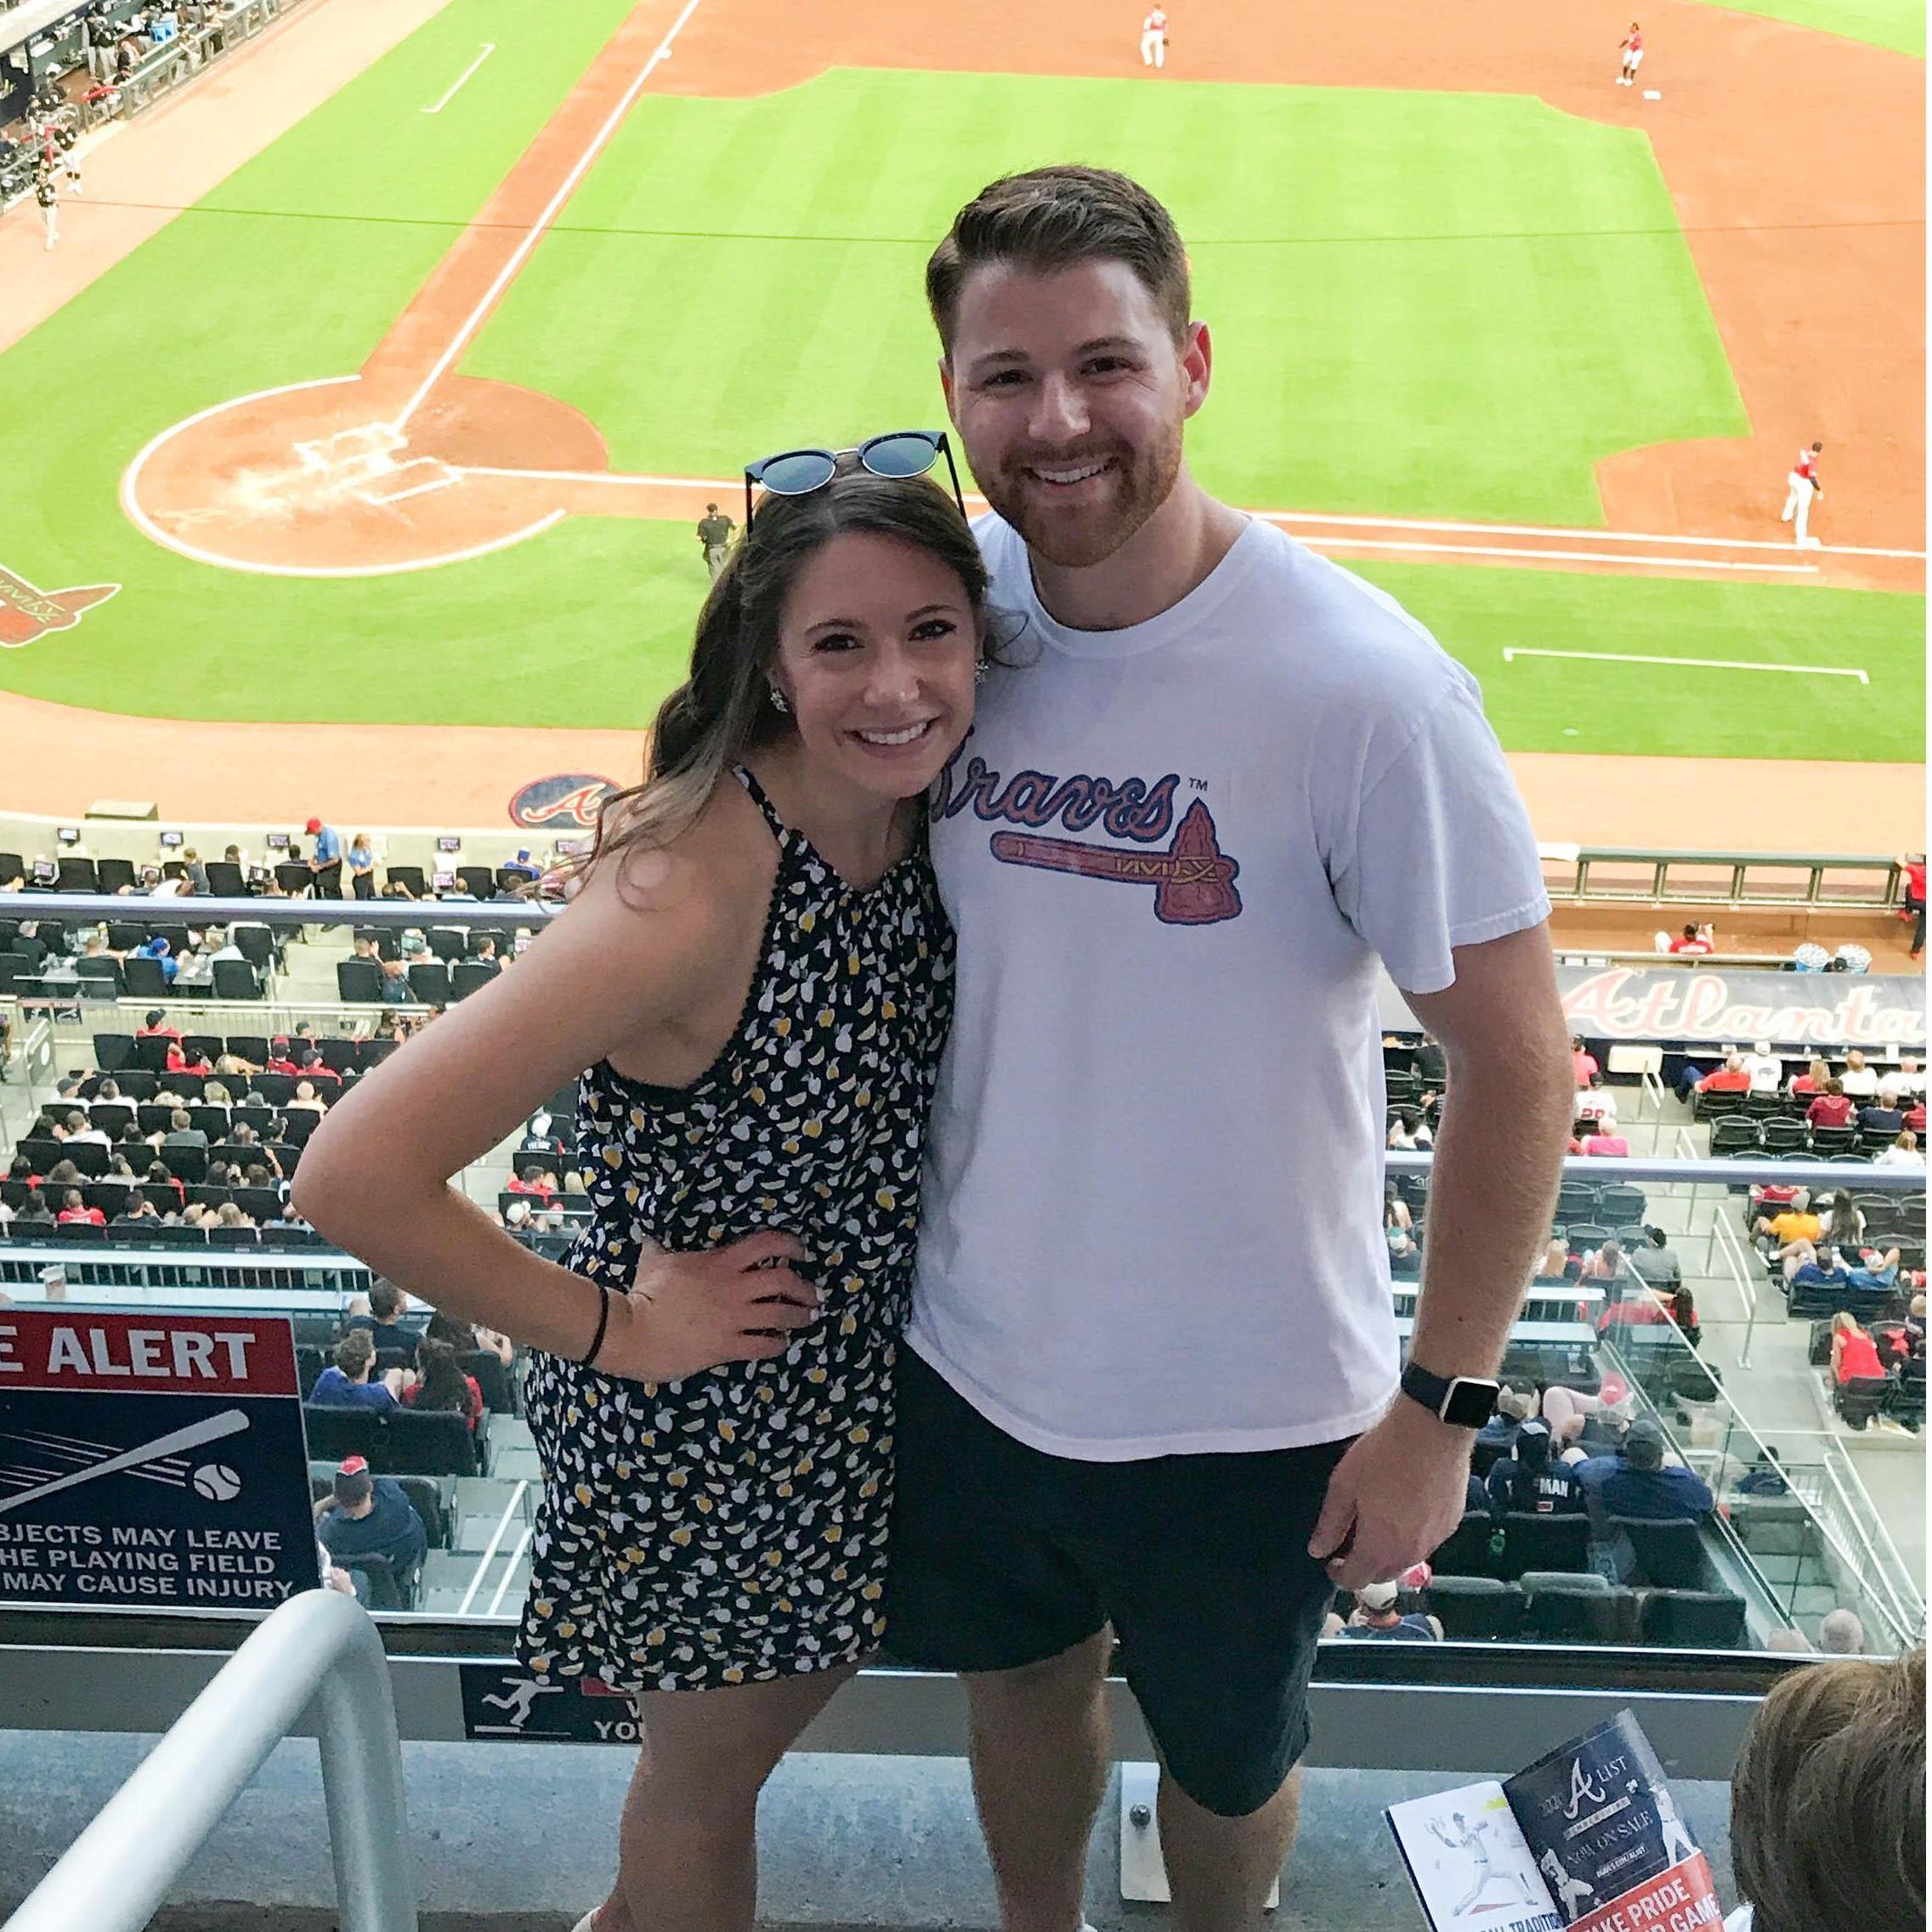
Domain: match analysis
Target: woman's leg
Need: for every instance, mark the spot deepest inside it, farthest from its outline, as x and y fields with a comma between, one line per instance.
x=687, y=1856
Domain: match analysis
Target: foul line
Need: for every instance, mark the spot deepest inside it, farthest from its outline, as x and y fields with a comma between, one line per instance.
x=509, y=269
x=489, y=48
x=1609, y=560
x=1700, y=663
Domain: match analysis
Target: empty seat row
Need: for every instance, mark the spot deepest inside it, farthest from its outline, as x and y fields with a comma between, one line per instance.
x=1568, y=1608
x=401, y=1441
x=1668, y=1555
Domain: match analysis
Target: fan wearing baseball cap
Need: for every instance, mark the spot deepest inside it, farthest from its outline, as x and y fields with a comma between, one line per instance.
x=1637, y=1481
x=1378, y=1619
x=324, y=860
x=363, y=1514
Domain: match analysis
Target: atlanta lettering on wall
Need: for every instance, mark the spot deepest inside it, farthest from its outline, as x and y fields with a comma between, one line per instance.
x=1790, y=1009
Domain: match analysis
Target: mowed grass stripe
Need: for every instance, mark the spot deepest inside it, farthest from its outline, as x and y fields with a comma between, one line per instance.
x=1899, y=25
x=1477, y=613
x=1422, y=304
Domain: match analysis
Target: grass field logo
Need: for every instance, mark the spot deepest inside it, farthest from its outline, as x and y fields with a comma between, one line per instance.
x=567, y=798
x=27, y=612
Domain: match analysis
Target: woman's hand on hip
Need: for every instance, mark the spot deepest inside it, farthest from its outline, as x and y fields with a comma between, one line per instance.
x=688, y=1313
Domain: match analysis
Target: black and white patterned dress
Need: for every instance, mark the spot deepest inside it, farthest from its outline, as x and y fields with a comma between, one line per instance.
x=731, y=1526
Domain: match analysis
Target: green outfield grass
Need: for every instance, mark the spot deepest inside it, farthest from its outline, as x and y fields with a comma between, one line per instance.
x=1423, y=303
x=1899, y=25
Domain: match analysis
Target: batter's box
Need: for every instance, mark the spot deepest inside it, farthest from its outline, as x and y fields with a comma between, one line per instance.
x=371, y=445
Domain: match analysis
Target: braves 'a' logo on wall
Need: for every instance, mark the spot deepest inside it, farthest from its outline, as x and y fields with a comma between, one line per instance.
x=569, y=798
x=27, y=612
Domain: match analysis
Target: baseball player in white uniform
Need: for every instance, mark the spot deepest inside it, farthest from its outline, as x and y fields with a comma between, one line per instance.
x=1804, y=487
x=1153, y=39
x=1631, y=46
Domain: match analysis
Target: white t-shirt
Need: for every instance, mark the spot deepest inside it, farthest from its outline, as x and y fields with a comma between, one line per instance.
x=1860, y=1080
x=1767, y=1072
x=1174, y=854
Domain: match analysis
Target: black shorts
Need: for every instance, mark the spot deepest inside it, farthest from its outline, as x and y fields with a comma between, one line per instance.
x=1001, y=1555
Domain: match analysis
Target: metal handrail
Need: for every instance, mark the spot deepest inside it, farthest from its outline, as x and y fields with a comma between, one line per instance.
x=320, y=1654
x=1658, y=890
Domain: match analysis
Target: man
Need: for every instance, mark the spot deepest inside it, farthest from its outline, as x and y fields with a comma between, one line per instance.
x=1229, y=778
x=379, y=1318
x=714, y=537
x=1804, y=485
x=369, y=1515
x=81, y=1127
x=1765, y=1068
x=1884, y=1115
x=1858, y=1079
x=1654, y=1264
x=1533, y=1481
x=1153, y=38
x=395, y=989
x=1375, y=1619
x=182, y=1132
x=1514, y=1408
x=346, y=1383
x=1636, y=1482
x=1729, y=1078
x=1695, y=940
x=326, y=861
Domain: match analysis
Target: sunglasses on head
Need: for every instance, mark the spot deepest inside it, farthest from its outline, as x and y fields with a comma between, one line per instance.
x=902, y=453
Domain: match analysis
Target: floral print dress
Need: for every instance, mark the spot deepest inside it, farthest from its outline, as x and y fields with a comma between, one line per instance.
x=731, y=1526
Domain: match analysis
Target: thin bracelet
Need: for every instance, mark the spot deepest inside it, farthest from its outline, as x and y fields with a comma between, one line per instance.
x=602, y=1321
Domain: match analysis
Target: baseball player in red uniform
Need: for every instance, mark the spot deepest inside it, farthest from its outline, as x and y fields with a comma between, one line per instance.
x=1804, y=486
x=1153, y=39
x=1631, y=46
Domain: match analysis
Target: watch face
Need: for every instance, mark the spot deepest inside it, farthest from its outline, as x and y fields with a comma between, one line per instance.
x=1471, y=1404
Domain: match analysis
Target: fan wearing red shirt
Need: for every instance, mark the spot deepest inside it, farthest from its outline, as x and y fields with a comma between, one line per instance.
x=152, y=1025
x=73, y=1207
x=1695, y=940
x=1832, y=1108
x=1729, y=1078
x=1913, y=866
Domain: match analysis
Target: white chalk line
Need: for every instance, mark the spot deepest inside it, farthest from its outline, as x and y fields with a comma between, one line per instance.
x=1697, y=663
x=1605, y=558
x=455, y=87
x=509, y=270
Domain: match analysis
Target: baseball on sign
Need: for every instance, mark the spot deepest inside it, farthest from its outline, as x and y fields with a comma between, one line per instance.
x=217, y=1483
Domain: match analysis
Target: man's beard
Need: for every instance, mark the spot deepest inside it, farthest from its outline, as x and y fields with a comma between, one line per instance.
x=1141, y=483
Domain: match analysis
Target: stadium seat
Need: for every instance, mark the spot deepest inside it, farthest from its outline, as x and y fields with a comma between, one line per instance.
x=1856, y=1401
x=1670, y=1556
x=1734, y=1134
x=357, y=981
x=235, y=979
x=1473, y=1609
x=448, y=943
x=380, y=1585
x=1544, y=1542
x=293, y=878
x=1622, y=1204
x=429, y=982
x=1484, y=1457
x=471, y=975
x=1834, y=1139
x=479, y=881
x=103, y=976
x=1685, y=1619
x=406, y=876
x=1466, y=1552
x=257, y=944
x=310, y=1362
x=145, y=979
x=225, y=879
x=493, y=1378
x=434, y=1442
x=1908, y=1402
x=1786, y=1136
x=76, y=875
x=1564, y=1607
x=1775, y=1526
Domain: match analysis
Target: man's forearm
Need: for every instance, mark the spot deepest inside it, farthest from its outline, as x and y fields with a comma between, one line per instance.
x=1492, y=1197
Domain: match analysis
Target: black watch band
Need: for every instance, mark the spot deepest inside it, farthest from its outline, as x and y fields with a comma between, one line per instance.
x=1464, y=1402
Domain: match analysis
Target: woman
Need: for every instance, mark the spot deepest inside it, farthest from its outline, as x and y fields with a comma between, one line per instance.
x=1902, y=1152
x=361, y=867
x=1854, y=1352
x=440, y=1384
x=756, y=970
x=1812, y=1079
x=1843, y=1223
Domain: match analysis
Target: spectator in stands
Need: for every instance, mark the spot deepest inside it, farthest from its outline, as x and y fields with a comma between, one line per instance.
x=1830, y=1108
x=33, y=1213
x=1654, y=1263
x=1636, y=1481
x=1408, y=1132
x=1808, y=1267
x=522, y=865
x=326, y=861
x=440, y=1384
x=1915, y=1324
x=1683, y=1305
x=182, y=1132
x=1598, y=1138
x=1514, y=1406
x=1765, y=1476
x=346, y=1383
x=1765, y=1068
x=1884, y=1115
x=1532, y=1480
x=157, y=948
x=1604, y=1263
x=156, y=1022
x=1843, y=1219
x=1912, y=865
x=379, y=1314
x=466, y=1338
x=74, y=1207
x=1729, y=1078
x=81, y=1128
x=395, y=888
x=1375, y=1618
x=1787, y=1227
x=370, y=1515
x=164, y=1186
x=1828, y=1802
x=1908, y=1077
x=531, y=1178
x=1854, y=1354
x=1915, y=1115
x=1858, y=1079
x=395, y=987
x=539, y=1139
x=64, y=1174
x=231, y=1063
x=1582, y=1062
x=137, y=1208
x=1812, y=1079
x=1558, y=1267
x=1598, y=1103
x=366, y=948
x=361, y=867
x=228, y=1214
x=1841, y=1633
x=312, y=1067
x=307, y=1098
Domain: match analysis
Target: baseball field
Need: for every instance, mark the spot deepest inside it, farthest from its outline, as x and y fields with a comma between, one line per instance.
x=405, y=421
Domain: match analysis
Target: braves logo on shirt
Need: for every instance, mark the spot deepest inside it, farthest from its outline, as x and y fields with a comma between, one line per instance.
x=1193, y=879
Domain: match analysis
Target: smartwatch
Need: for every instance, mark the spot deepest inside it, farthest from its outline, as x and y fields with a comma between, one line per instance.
x=1464, y=1402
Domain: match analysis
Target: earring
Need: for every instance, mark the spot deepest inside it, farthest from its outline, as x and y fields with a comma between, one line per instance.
x=778, y=700
x=979, y=671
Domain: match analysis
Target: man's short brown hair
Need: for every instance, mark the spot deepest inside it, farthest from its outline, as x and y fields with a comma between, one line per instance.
x=1048, y=219
x=1827, y=1804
